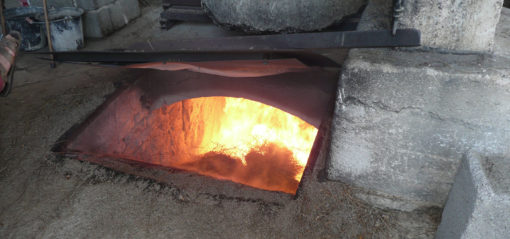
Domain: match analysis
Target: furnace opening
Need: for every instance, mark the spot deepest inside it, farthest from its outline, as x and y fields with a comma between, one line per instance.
x=232, y=139
x=184, y=128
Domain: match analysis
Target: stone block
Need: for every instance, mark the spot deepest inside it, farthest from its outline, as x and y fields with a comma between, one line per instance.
x=478, y=205
x=407, y=118
x=444, y=24
x=109, y=18
x=97, y=23
x=123, y=11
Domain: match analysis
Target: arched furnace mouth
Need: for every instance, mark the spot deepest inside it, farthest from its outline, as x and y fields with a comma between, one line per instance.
x=257, y=131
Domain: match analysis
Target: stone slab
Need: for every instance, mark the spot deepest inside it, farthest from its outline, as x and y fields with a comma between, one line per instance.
x=280, y=15
x=406, y=119
x=478, y=205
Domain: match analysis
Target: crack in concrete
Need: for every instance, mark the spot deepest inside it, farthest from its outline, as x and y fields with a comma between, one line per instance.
x=378, y=105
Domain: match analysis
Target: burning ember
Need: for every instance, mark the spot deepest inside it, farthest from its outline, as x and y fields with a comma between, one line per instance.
x=233, y=139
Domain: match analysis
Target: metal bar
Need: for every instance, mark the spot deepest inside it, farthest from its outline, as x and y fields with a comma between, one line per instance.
x=123, y=58
x=137, y=57
x=185, y=14
x=320, y=40
x=192, y=3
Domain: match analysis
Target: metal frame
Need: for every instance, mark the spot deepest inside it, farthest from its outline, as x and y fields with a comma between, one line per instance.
x=182, y=11
x=296, y=41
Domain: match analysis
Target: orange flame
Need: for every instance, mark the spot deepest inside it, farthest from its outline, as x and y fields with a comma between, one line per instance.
x=239, y=140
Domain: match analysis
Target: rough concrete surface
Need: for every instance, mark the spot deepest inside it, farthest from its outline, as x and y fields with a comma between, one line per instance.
x=502, y=39
x=478, y=205
x=280, y=15
x=455, y=25
x=42, y=197
x=408, y=117
x=444, y=24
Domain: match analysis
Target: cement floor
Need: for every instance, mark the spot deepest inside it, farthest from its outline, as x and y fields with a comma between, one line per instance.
x=41, y=197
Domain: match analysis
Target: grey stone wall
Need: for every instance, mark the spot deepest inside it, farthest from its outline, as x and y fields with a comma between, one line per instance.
x=407, y=118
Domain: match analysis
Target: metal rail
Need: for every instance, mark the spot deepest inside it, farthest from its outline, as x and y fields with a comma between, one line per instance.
x=252, y=47
x=191, y=3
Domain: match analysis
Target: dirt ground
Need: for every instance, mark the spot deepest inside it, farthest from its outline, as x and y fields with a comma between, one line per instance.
x=42, y=197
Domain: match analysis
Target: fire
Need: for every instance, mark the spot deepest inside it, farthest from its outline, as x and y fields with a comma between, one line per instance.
x=237, y=139
x=247, y=125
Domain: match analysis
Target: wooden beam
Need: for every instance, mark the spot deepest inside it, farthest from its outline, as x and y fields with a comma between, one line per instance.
x=48, y=32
